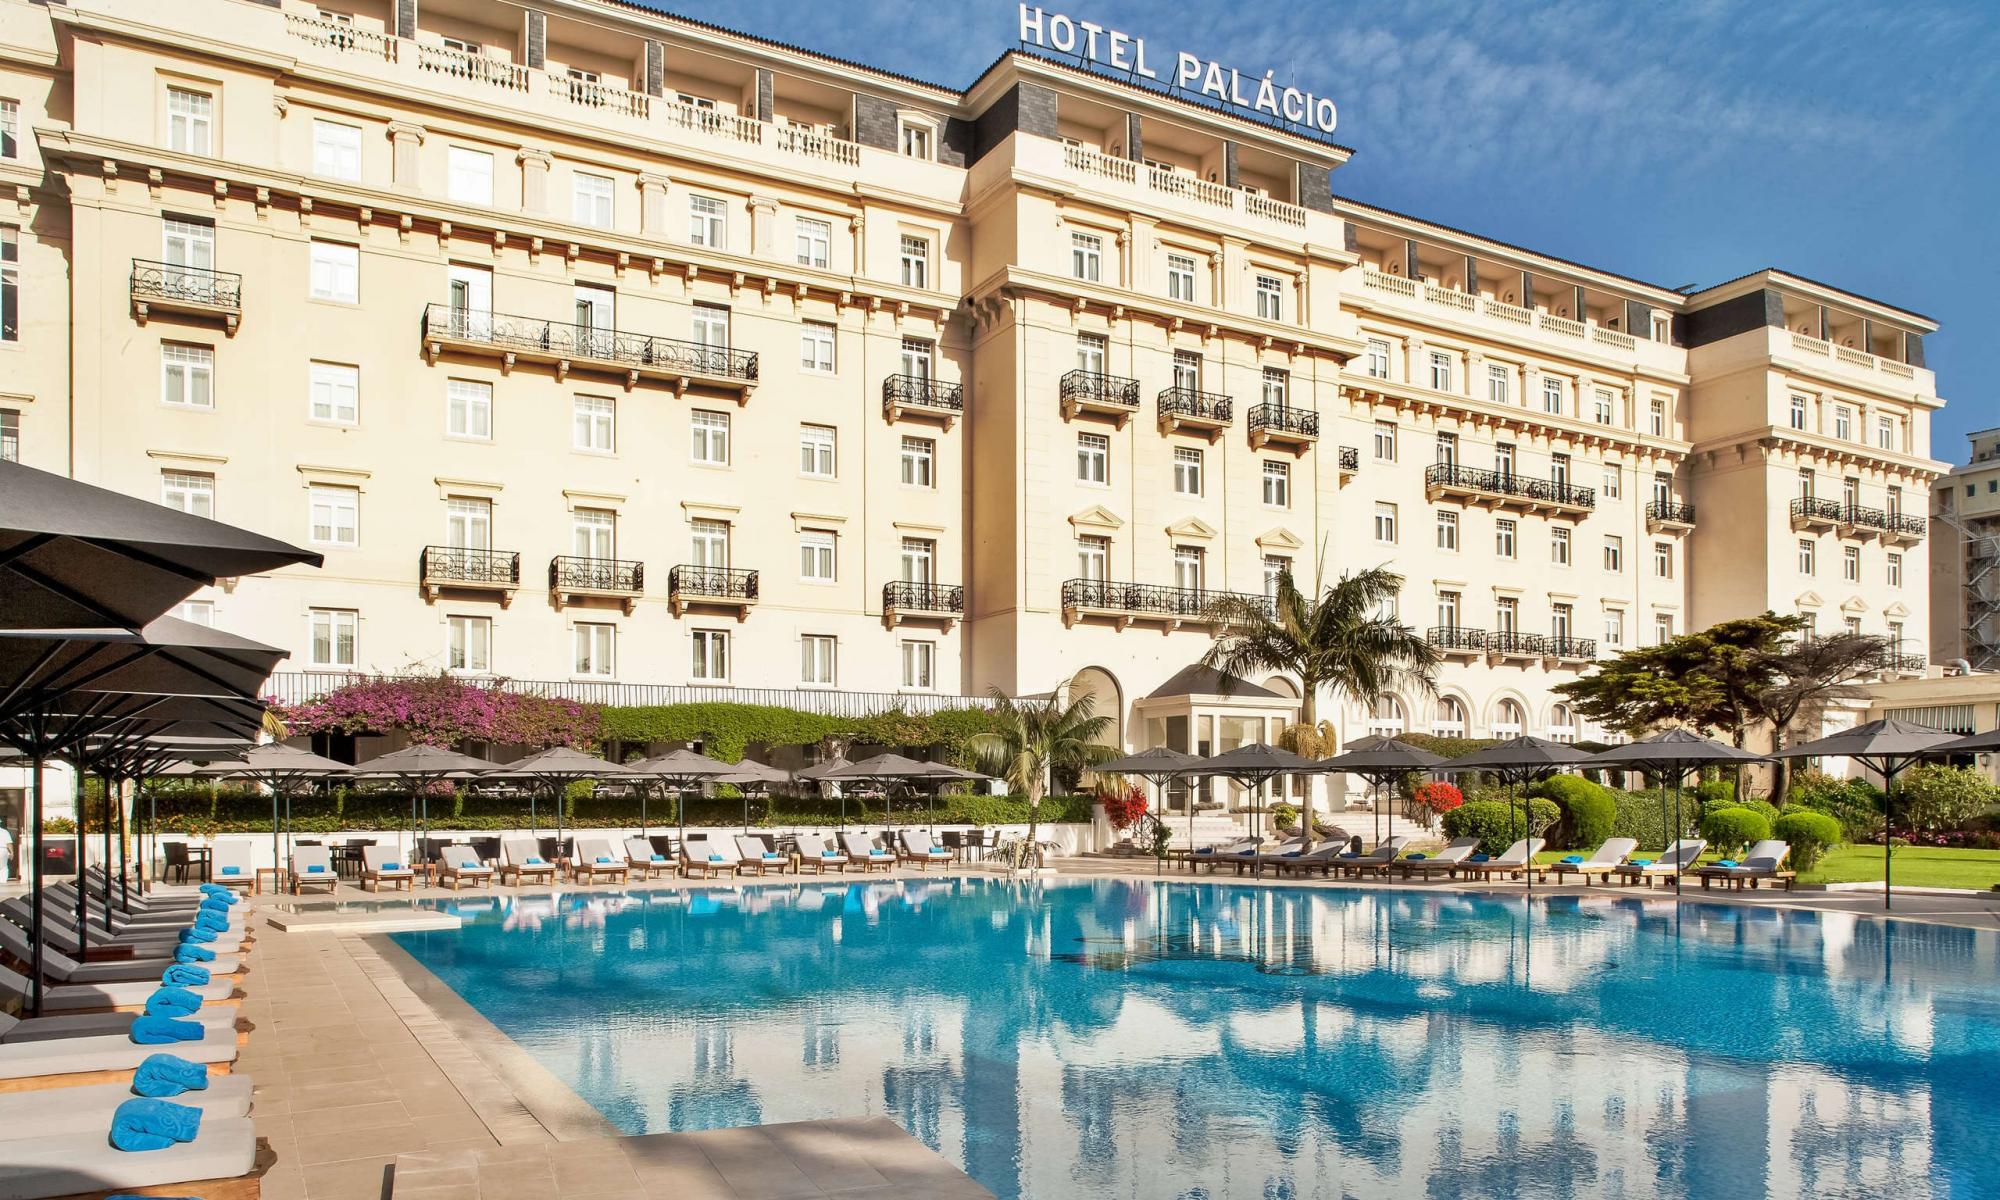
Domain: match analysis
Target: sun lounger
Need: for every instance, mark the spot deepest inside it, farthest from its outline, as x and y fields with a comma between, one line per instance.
x=312, y=867
x=701, y=857
x=53, y=1111
x=106, y=1024
x=58, y=967
x=232, y=865
x=1320, y=858
x=1443, y=862
x=1377, y=861
x=1512, y=862
x=1762, y=862
x=458, y=865
x=597, y=858
x=753, y=855
x=1263, y=853
x=384, y=864
x=1676, y=861
x=863, y=853
x=1601, y=862
x=640, y=857
x=521, y=862
x=102, y=1058
x=918, y=848
x=86, y=1163
x=1208, y=855
x=815, y=855
x=101, y=997
x=58, y=926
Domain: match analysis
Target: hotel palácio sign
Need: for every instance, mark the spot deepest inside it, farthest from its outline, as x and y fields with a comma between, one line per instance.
x=1121, y=52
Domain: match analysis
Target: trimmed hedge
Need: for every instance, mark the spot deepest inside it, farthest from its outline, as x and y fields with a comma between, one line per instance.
x=1498, y=825
x=1589, y=812
x=1855, y=803
x=1733, y=829
x=1810, y=835
x=726, y=730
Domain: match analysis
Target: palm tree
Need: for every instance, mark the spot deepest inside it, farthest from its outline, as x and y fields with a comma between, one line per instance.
x=1034, y=737
x=1344, y=638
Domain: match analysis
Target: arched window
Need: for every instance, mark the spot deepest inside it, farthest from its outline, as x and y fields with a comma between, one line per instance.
x=1385, y=719
x=1450, y=718
x=1508, y=719
x=1562, y=724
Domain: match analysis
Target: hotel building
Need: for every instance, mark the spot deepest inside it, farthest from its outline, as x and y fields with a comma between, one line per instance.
x=610, y=349
x=1965, y=559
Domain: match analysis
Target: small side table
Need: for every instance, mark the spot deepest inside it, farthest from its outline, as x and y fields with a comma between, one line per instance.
x=277, y=875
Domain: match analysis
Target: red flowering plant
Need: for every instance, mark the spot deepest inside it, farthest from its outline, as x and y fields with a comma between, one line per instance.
x=440, y=710
x=1432, y=800
x=1124, y=804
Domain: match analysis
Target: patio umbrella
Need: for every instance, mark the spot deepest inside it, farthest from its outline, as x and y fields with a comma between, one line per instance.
x=1379, y=759
x=74, y=556
x=122, y=755
x=1156, y=766
x=890, y=768
x=555, y=769
x=1978, y=743
x=750, y=774
x=418, y=767
x=821, y=772
x=1519, y=761
x=1672, y=753
x=164, y=756
x=285, y=770
x=1254, y=764
x=679, y=769
x=1887, y=746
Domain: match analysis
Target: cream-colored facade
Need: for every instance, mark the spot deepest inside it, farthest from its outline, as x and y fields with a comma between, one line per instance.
x=884, y=388
x=1965, y=559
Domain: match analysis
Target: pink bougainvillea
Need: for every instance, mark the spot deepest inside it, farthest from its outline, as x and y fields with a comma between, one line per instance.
x=440, y=710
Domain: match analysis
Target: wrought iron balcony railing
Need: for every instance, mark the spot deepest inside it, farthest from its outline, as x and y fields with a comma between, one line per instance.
x=1180, y=402
x=572, y=573
x=171, y=283
x=1571, y=647
x=561, y=339
x=1903, y=664
x=1283, y=418
x=1456, y=637
x=921, y=391
x=1905, y=525
x=1810, y=508
x=1350, y=458
x=720, y=583
x=1151, y=599
x=1670, y=512
x=467, y=566
x=1864, y=518
x=1093, y=387
x=1506, y=483
x=1512, y=641
x=901, y=595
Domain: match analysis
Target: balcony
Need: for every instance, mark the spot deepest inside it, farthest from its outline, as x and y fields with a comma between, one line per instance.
x=471, y=569
x=1456, y=641
x=572, y=578
x=1204, y=413
x=1570, y=649
x=1504, y=489
x=1864, y=522
x=1145, y=603
x=1350, y=461
x=476, y=68
x=690, y=586
x=1180, y=185
x=1809, y=512
x=191, y=291
x=1295, y=429
x=634, y=356
x=1510, y=643
x=1670, y=515
x=921, y=396
x=1895, y=663
x=1102, y=395
x=1902, y=529
x=903, y=600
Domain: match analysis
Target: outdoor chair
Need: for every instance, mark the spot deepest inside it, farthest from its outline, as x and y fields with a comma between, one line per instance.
x=1762, y=862
x=597, y=858
x=1320, y=858
x=918, y=848
x=380, y=865
x=521, y=861
x=1677, y=861
x=1601, y=862
x=457, y=865
x=176, y=860
x=1512, y=862
x=754, y=854
x=864, y=853
x=814, y=853
x=1444, y=862
x=312, y=866
x=1375, y=862
x=698, y=856
x=233, y=866
x=648, y=862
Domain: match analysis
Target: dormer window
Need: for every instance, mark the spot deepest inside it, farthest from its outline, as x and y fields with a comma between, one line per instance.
x=916, y=139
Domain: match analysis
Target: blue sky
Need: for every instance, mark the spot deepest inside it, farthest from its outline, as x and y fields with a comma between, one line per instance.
x=1854, y=143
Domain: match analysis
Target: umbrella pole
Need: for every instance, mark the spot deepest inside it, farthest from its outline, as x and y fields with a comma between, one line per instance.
x=35, y=954
x=82, y=854
x=1679, y=825
x=124, y=853
x=1888, y=830
x=106, y=777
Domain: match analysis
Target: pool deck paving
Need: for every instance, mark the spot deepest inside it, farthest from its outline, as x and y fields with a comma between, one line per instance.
x=374, y=1079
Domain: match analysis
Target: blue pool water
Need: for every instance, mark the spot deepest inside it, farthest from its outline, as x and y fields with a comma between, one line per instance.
x=1201, y=1041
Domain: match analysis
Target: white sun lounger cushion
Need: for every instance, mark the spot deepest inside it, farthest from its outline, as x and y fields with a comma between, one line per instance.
x=111, y=1052
x=52, y=1111
x=85, y=1162
x=41, y=1029
x=70, y=996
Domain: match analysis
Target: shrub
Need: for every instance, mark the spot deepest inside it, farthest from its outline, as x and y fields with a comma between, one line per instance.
x=1589, y=812
x=1855, y=803
x=1431, y=800
x=1715, y=793
x=1763, y=808
x=1284, y=816
x=1810, y=835
x=1730, y=829
x=1498, y=825
x=1124, y=804
x=1933, y=797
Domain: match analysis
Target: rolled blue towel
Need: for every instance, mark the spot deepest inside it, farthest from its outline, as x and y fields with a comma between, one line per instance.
x=535, y=860
x=1344, y=854
x=196, y=935
x=172, y=1002
x=387, y=866
x=185, y=975
x=468, y=865
x=1726, y=862
x=1415, y=857
x=770, y=857
x=659, y=858
x=1479, y=858
x=1572, y=858
x=213, y=922
x=213, y=906
x=144, y=1124
x=717, y=858
x=163, y=1031
x=315, y=869
x=217, y=893
x=189, y=952
x=229, y=870
x=168, y=1075
x=1638, y=862
x=604, y=859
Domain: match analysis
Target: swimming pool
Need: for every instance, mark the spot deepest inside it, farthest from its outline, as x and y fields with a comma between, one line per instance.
x=1195, y=1040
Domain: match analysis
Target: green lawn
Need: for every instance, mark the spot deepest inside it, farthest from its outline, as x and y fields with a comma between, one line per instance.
x=1915, y=866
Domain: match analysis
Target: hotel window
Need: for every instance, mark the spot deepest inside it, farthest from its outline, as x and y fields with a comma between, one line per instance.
x=1086, y=256
x=10, y=284
x=1450, y=718
x=187, y=375
x=1843, y=423
x=816, y=445
x=593, y=649
x=1614, y=475
x=334, y=634
x=1663, y=560
x=1851, y=626
x=711, y=656
x=1885, y=433
x=918, y=460
x=709, y=437
x=1440, y=371
x=468, y=176
x=1447, y=449
x=1602, y=404
x=1806, y=484
x=1276, y=567
x=1277, y=387
x=920, y=665
x=708, y=222
x=816, y=656
x=816, y=347
x=188, y=492
x=1850, y=491
x=916, y=259
x=1895, y=570
x=593, y=533
x=1277, y=484
x=1614, y=627
x=334, y=393
x=1187, y=370
x=1091, y=350
x=1562, y=620
x=1503, y=538
x=1187, y=471
x=190, y=120
x=10, y=435
x=1447, y=530
x=816, y=556
x=1093, y=458
x=1093, y=558
x=10, y=128
x=1850, y=564
x=1503, y=458
x=1385, y=524
x=1559, y=470
x=1663, y=490
x=1385, y=441
x=1614, y=554
x=1180, y=278
x=1552, y=395
x=468, y=409
x=590, y=201
x=335, y=272
x=462, y=46
x=468, y=523
x=1559, y=546
x=594, y=424
x=708, y=544
x=919, y=561
x=917, y=358
x=1499, y=381
x=336, y=150
x=1270, y=298
x=335, y=515
x=1663, y=628
x=1798, y=412
x=1657, y=417
x=1378, y=358
x=1188, y=568
x=814, y=241
x=1895, y=501
x=1506, y=614
x=1449, y=613
x=1808, y=557
x=711, y=326
x=916, y=141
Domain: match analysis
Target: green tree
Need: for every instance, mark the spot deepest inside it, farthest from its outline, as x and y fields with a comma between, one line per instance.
x=1711, y=679
x=1032, y=738
x=1934, y=798
x=1811, y=675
